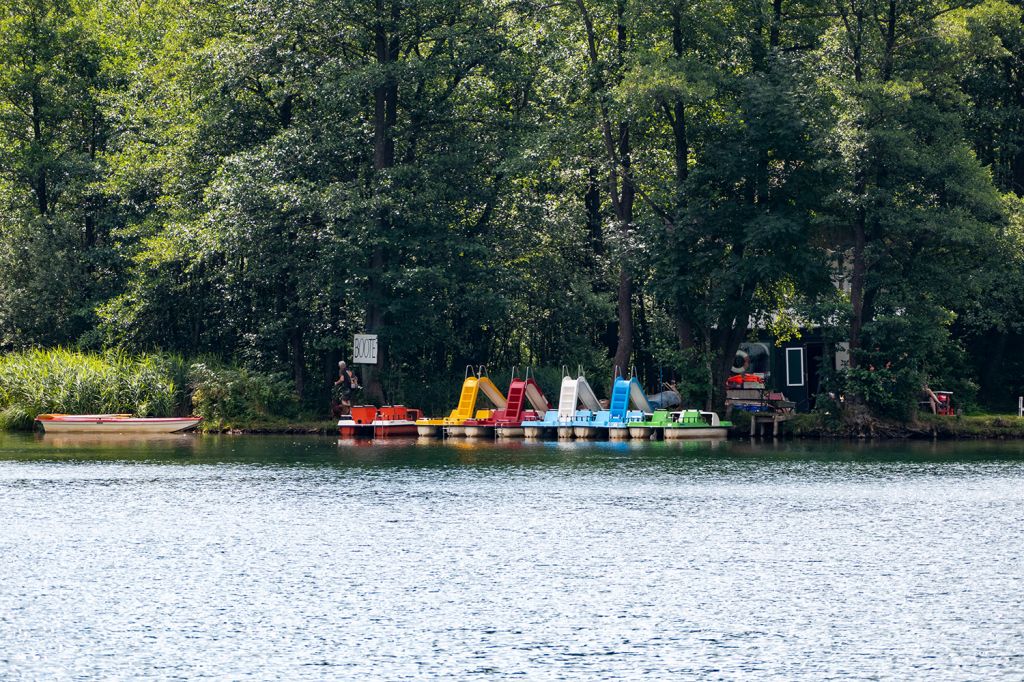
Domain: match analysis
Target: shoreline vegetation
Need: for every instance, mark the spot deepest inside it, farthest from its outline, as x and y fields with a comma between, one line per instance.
x=923, y=426
x=66, y=381
x=233, y=400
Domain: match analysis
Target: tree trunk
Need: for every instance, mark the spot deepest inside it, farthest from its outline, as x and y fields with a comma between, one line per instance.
x=732, y=329
x=624, y=349
x=298, y=361
x=680, y=136
x=678, y=118
x=592, y=203
x=385, y=114
x=684, y=332
x=776, y=27
x=857, y=282
x=618, y=151
x=874, y=173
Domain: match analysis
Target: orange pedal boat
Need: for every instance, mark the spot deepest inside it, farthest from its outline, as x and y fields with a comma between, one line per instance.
x=367, y=421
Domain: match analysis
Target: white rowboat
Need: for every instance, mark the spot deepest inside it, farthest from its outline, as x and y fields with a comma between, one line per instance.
x=114, y=423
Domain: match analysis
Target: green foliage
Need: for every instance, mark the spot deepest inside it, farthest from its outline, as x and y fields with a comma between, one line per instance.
x=15, y=418
x=56, y=263
x=230, y=396
x=63, y=381
x=887, y=391
x=252, y=182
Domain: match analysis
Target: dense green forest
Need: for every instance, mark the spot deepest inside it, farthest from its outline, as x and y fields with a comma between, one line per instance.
x=593, y=182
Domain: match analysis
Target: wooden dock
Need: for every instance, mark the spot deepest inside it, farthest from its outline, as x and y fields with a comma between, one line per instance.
x=759, y=421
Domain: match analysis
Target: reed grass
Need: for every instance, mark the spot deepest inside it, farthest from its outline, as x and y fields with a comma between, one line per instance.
x=65, y=381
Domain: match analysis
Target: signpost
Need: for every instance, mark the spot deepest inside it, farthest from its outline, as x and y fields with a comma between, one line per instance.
x=364, y=349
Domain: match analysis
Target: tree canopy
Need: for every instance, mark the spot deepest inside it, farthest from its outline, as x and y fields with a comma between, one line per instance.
x=602, y=183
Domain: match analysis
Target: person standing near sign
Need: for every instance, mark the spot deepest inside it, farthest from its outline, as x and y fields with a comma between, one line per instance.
x=343, y=388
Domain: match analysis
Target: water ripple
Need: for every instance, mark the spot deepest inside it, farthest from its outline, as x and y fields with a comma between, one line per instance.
x=302, y=559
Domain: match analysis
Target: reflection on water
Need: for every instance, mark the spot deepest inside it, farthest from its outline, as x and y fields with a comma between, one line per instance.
x=313, y=558
x=101, y=443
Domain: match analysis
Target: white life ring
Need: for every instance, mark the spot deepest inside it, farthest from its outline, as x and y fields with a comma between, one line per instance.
x=746, y=362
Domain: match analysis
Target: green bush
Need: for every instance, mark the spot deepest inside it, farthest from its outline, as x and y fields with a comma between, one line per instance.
x=887, y=392
x=63, y=381
x=227, y=396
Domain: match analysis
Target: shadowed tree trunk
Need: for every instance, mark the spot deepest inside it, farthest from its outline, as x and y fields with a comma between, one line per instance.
x=621, y=187
x=385, y=112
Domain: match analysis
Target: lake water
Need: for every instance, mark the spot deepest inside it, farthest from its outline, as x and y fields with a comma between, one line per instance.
x=302, y=558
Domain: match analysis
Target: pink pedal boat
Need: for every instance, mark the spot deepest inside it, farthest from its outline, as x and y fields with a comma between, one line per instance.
x=114, y=423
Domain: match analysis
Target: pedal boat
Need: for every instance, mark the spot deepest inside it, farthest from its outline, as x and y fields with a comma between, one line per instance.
x=368, y=421
x=696, y=424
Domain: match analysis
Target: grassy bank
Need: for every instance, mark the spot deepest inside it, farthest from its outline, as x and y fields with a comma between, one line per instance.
x=298, y=427
x=58, y=380
x=923, y=426
x=228, y=398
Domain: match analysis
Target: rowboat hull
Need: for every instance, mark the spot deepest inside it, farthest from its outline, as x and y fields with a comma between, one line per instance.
x=115, y=424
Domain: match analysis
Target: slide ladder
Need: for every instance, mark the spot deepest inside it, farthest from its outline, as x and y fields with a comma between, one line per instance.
x=516, y=398
x=520, y=393
x=513, y=412
x=467, y=400
x=628, y=393
x=619, y=403
x=568, y=397
x=573, y=393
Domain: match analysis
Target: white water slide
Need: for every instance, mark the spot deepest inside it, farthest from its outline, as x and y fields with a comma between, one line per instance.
x=573, y=393
x=638, y=397
x=536, y=399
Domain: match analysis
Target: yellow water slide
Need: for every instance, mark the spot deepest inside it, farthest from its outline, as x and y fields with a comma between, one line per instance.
x=467, y=402
x=472, y=387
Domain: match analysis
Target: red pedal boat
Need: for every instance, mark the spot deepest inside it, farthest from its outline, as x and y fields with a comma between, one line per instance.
x=367, y=421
